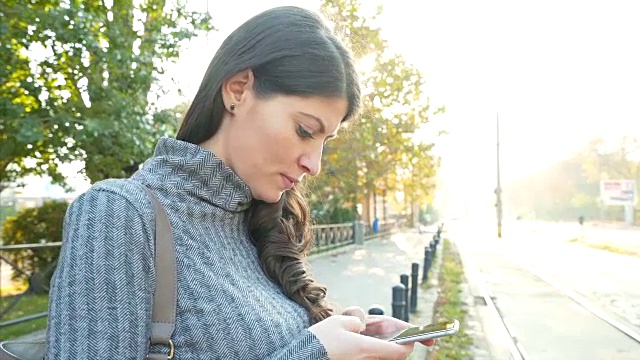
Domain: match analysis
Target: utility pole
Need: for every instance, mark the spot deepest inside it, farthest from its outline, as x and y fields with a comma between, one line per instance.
x=498, y=190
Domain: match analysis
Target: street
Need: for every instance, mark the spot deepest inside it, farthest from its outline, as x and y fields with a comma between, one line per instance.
x=549, y=290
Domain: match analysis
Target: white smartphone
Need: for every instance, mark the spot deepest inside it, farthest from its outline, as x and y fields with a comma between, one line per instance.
x=422, y=333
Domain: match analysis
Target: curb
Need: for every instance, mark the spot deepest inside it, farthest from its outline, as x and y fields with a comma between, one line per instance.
x=427, y=301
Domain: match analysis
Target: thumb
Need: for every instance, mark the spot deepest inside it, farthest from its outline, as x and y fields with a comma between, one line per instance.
x=351, y=323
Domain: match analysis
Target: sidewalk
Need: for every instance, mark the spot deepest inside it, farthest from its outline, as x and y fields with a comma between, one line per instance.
x=364, y=275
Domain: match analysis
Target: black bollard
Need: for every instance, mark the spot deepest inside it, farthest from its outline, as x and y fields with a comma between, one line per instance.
x=404, y=279
x=397, y=303
x=425, y=268
x=413, y=303
x=376, y=309
x=432, y=253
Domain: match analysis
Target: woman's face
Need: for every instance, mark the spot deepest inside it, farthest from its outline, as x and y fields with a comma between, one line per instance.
x=273, y=143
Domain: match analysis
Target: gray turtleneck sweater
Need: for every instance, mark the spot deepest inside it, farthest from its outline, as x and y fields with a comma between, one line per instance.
x=101, y=294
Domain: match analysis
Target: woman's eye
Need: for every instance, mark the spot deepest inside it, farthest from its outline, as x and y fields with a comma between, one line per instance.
x=303, y=133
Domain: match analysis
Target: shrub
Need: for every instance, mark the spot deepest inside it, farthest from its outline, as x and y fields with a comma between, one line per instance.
x=34, y=226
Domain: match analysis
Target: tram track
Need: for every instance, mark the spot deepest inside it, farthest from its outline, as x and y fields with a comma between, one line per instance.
x=509, y=335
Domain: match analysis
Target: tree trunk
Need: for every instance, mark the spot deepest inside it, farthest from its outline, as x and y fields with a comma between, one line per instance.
x=384, y=205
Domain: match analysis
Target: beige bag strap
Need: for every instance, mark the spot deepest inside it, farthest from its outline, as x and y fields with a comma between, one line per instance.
x=163, y=315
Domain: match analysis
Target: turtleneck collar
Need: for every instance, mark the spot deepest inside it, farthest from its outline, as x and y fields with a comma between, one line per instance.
x=199, y=172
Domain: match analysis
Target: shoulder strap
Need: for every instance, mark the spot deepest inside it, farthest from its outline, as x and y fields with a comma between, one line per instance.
x=163, y=315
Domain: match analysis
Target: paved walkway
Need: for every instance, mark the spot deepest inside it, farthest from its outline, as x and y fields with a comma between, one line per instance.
x=364, y=275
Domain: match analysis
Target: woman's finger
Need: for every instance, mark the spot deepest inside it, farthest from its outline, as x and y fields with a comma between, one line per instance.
x=429, y=342
x=351, y=323
x=385, y=350
x=355, y=311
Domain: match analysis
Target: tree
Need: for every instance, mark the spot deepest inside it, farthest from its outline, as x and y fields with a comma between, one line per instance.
x=77, y=79
x=417, y=178
x=570, y=188
x=617, y=161
x=358, y=32
x=367, y=156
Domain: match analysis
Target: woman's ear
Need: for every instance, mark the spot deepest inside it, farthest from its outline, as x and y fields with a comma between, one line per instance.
x=237, y=89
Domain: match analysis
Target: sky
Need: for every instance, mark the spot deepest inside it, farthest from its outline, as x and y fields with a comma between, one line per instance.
x=557, y=73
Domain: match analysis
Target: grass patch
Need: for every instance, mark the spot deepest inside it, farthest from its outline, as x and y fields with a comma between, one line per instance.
x=27, y=305
x=605, y=246
x=449, y=306
x=612, y=249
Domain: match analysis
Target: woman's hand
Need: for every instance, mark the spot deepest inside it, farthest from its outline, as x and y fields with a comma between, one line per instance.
x=341, y=336
x=377, y=325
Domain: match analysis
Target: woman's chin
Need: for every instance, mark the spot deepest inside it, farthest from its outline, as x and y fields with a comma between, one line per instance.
x=270, y=197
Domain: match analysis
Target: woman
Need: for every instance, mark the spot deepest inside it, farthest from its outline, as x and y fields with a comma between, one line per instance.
x=277, y=89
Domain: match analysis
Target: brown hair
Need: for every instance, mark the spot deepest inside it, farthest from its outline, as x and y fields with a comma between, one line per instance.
x=291, y=51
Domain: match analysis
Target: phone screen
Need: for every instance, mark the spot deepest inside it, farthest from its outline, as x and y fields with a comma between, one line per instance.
x=420, y=330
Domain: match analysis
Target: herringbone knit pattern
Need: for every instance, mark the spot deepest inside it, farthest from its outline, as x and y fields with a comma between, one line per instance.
x=100, y=305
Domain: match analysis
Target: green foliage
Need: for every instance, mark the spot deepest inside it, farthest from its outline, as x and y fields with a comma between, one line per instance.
x=428, y=214
x=76, y=82
x=378, y=151
x=333, y=211
x=35, y=226
x=5, y=212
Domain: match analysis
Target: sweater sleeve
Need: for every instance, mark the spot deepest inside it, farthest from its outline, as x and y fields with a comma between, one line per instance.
x=305, y=347
x=101, y=292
